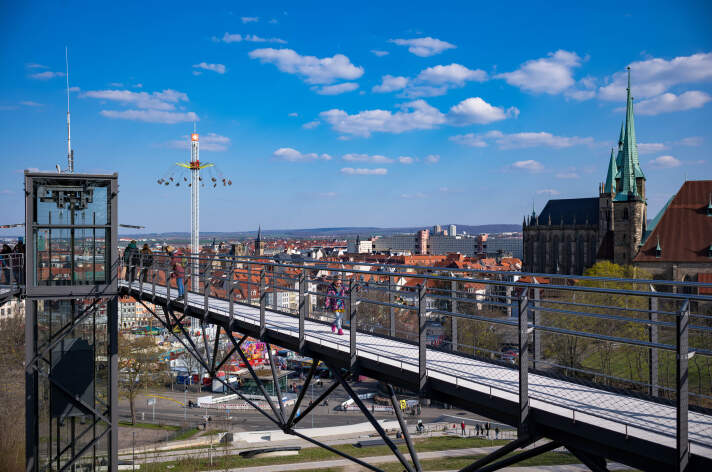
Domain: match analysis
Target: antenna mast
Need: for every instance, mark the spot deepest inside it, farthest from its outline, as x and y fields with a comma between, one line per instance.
x=70, y=153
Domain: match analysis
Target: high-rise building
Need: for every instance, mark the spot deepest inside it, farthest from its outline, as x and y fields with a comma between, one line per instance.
x=452, y=230
x=437, y=229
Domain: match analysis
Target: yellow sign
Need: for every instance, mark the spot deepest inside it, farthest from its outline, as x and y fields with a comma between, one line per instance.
x=403, y=405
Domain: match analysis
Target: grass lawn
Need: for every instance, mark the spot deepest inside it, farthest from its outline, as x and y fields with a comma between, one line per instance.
x=165, y=427
x=311, y=454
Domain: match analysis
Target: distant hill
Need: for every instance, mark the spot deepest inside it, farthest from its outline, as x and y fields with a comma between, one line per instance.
x=337, y=232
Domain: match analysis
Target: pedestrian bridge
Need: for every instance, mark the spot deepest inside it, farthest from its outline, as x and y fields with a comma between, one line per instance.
x=587, y=415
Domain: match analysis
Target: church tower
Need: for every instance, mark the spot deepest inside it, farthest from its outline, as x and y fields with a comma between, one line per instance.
x=259, y=245
x=629, y=204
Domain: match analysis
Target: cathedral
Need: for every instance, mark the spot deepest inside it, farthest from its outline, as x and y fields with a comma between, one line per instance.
x=570, y=235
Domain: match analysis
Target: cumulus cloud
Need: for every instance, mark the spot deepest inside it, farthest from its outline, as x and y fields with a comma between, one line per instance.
x=375, y=158
x=152, y=116
x=552, y=74
x=311, y=124
x=391, y=83
x=651, y=148
x=293, y=114
x=451, y=74
x=292, y=155
x=33, y=65
x=248, y=38
x=432, y=158
x=669, y=102
x=406, y=160
x=521, y=140
x=311, y=69
x=208, y=142
x=655, y=76
x=362, y=171
x=548, y=191
x=219, y=68
x=474, y=110
x=156, y=107
x=691, y=141
x=46, y=75
x=336, y=89
x=529, y=165
x=379, y=53
x=413, y=115
x=665, y=162
x=424, y=47
x=249, y=19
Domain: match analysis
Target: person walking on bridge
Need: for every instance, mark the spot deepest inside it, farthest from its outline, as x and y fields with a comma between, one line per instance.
x=178, y=270
x=146, y=262
x=335, y=303
x=130, y=261
x=5, y=263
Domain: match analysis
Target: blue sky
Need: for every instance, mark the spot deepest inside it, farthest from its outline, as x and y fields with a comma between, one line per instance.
x=369, y=114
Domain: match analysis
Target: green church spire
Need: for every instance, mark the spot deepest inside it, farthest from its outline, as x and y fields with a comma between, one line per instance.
x=629, y=165
x=610, y=185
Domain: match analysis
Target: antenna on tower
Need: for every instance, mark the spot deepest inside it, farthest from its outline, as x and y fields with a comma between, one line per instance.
x=70, y=153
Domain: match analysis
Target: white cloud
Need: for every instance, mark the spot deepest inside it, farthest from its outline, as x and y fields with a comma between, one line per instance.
x=74, y=89
x=311, y=124
x=424, y=47
x=273, y=21
x=432, y=158
x=521, y=140
x=46, y=75
x=313, y=70
x=249, y=38
x=391, y=83
x=249, y=19
x=30, y=103
x=362, y=171
x=552, y=74
x=292, y=155
x=580, y=95
x=651, y=148
x=567, y=175
x=294, y=114
x=375, y=158
x=336, y=89
x=379, y=53
x=477, y=111
x=151, y=116
x=665, y=162
x=219, y=68
x=655, y=76
x=406, y=160
x=208, y=142
x=165, y=100
x=548, y=191
x=413, y=115
x=529, y=165
x=33, y=65
x=669, y=102
x=116, y=84
x=451, y=74
x=691, y=141
x=156, y=107
x=413, y=195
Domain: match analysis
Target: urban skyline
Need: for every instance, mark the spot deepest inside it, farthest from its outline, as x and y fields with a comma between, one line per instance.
x=387, y=127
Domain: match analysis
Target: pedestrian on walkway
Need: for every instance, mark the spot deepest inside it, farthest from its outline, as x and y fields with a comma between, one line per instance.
x=19, y=262
x=496, y=432
x=477, y=429
x=146, y=262
x=177, y=270
x=335, y=303
x=487, y=428
x=5, y=263
x=130, y=261
x=462, y=427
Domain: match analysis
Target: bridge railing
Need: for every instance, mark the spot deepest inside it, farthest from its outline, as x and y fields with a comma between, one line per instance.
x=642, y=337
x=12, y=269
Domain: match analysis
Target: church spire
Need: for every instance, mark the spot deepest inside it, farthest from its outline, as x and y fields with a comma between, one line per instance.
x=610, y=186
x=629, y=164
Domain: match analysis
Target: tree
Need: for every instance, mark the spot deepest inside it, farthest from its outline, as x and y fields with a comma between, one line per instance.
x=139, y=362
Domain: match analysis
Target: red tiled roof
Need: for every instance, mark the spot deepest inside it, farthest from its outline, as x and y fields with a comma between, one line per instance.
x=684, y=230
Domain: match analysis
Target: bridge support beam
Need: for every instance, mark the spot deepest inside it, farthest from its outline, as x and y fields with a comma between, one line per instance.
x=596, y=464
x=524, y=455
x=422, y=339
x=501, y=452
x=404, y=428
x=522, y=308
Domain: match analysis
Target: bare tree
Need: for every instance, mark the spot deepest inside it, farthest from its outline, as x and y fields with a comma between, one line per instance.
x=138, y=363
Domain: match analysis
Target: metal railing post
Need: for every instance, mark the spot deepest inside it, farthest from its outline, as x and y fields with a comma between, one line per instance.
x=230, y=290
x=302, y=307
x=140, y=281
x=536, y=338
x=249, y=283
x=391, y=310
x=453, y=319
x=168, y=286
x=522, y=311
x=263, y=302
x=422, y=338
x=207, y=283
x=153, y=286
x=683, y=355
x=653, y=338
x=352, y=324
